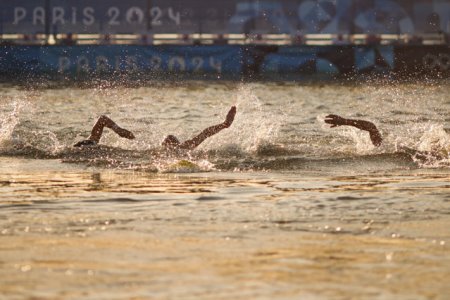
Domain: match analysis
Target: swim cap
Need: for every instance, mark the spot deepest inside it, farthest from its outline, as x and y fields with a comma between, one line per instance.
x=171, y=142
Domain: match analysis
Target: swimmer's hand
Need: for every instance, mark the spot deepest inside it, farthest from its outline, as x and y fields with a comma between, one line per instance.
x=85, y=143
x=375, y=135
x=335, y=120
x=230, y=117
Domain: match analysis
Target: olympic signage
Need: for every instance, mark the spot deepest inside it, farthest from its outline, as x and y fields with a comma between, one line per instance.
x=104, y=59
x=225, y=61
x=83, y=16
x=220, y=16
x=437, y=62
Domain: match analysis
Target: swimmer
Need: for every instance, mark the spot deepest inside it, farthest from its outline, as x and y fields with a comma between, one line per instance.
x=377, y=140
x=170, y=142
x=374, y=134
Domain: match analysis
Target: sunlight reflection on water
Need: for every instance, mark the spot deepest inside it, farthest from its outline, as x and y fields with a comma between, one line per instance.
x=282, y=207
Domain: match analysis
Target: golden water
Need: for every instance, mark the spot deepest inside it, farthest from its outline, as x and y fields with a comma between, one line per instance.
x=279, y=207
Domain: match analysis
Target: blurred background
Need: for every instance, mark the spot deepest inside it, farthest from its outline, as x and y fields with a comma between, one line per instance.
x=287, y=37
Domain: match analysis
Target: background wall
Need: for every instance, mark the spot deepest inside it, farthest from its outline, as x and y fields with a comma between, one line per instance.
x=225, y=16
x=227, y=61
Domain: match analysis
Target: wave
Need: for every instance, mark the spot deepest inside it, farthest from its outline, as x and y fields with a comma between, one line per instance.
x=386, y=161
x=155, y=161
x=265, y=157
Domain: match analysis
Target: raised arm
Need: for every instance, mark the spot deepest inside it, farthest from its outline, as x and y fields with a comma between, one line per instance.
x=375, y=135
x=194, y=142
x=97, y=131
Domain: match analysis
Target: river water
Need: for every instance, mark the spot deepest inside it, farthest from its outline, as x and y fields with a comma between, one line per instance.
x=278, y=206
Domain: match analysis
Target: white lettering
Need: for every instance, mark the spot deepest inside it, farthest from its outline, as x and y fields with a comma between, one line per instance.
x=198, y=63
x=113, y=13
x=58, y=15
x=19, y=14
x=155, y=63
x=175, y=16
x=118, y=63
x=131, y=64
x=82, y=64
x=39, y=15
x=88, y=13
x=74, y=15
x=101, y=64
x=64, y=64
x=135, y=15
x=177, y=60
x=217, y=65
x=156, y=14
x=439, y=62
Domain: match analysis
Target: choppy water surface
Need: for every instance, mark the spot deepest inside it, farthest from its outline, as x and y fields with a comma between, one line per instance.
x=278, y=206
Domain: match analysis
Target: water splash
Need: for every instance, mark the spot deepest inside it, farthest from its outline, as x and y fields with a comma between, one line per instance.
x=255, y=125
x=434, y=138
x=435, y=143
x=185, y=166
x=274, y=124
x=48, y=142
x=9, y=121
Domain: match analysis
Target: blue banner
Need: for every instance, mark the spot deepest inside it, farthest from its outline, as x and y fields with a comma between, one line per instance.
x=121, y=58
x=300, y=60
x=376, y=58
x=228, y=61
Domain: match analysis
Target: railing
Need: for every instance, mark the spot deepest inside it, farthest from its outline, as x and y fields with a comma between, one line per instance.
x=223, y=39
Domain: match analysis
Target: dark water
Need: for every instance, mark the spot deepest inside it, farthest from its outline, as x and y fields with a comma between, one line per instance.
x=278, y=206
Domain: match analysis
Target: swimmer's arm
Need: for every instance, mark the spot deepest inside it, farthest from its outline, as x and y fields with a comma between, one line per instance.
x=97, y=131
x=197, y=140
x=375, y=135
